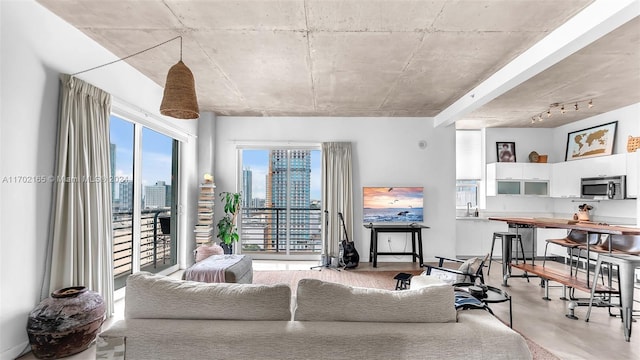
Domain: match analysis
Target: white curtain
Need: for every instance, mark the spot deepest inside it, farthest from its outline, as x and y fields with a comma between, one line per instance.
x=337, y=193
x=80, y=249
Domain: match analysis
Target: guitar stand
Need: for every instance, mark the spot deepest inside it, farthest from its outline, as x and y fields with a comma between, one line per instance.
x=326, y=259
x=327, y=265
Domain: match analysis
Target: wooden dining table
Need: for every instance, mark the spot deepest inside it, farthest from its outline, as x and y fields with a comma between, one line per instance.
x=557, y=223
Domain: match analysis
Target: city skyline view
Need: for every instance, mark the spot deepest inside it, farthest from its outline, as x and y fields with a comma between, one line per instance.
x=258, y=162
x=156, y=152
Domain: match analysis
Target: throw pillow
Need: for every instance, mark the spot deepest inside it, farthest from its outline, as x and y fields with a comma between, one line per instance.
x=151, y=296
x=470, y=266
x=204, y=251
x=319, y=300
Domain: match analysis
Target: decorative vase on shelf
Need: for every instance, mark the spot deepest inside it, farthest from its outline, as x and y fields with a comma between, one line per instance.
x=65, y=323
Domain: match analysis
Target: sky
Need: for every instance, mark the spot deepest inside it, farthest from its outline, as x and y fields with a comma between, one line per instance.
x=156, y=159
x=258, y=162
x=156, y=153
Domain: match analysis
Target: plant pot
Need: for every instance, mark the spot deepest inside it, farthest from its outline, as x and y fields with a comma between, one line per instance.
x=228, y=249
x=65, y=323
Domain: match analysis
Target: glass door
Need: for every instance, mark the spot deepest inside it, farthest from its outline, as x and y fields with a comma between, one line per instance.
x=281, y=214
x=157, y=215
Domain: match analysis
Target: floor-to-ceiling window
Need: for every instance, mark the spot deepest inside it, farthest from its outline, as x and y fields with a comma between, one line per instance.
x=144, y=169
x=281, y=214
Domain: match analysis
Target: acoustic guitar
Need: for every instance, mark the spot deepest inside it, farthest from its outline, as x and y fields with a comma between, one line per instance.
x=350, y=256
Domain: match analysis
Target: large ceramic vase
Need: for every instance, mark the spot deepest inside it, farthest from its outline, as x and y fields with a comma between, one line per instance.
x=65, y=323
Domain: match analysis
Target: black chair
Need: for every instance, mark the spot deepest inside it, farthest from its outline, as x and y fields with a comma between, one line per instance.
x=466, y=268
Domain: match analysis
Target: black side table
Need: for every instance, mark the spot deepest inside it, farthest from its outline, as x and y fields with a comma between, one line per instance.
x=493, y=295
x=403, y=280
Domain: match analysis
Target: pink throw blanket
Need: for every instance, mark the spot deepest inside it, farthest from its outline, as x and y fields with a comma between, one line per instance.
x=211, y=269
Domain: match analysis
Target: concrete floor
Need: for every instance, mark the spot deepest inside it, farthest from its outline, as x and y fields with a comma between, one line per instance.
x=541, y=321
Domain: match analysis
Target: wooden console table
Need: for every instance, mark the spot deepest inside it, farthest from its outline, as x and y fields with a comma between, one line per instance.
x=413, y=229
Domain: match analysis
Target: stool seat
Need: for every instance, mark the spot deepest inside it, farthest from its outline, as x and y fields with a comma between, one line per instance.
x=502, y=235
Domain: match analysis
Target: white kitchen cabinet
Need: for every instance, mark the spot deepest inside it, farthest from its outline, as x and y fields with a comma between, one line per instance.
x=536, y=171
x=565, y=179
x=566, y=176
x=612, y=165
x=508, y=171
x=518, y=179
x=473, y=237
x=632, y=174
x=535, y=187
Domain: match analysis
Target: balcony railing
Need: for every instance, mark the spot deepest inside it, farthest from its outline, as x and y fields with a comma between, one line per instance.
x=266, y=230
x=155, y=241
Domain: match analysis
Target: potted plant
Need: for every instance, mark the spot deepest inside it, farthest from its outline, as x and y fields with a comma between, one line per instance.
x=227, y=229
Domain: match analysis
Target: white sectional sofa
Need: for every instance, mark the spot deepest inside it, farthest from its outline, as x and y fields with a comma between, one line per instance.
x=166, y=318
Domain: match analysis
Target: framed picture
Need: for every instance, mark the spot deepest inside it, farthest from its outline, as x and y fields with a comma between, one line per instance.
x=506, y=151
x=591, y=142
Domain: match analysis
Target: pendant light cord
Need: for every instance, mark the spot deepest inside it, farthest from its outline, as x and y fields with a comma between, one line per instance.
x=132, y=55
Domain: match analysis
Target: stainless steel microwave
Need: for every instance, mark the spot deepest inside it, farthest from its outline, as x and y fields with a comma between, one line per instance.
x=610, y=187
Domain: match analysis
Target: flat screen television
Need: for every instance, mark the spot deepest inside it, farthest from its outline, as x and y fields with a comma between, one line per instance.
x=392, y=204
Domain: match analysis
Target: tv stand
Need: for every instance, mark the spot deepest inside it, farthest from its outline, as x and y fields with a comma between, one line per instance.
x=414, y=229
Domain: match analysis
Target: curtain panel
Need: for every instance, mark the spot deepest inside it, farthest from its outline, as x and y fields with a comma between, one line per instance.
x=80, y=248
x=337, y=194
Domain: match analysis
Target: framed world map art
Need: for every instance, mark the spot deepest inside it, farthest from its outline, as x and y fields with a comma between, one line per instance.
x=591, y=142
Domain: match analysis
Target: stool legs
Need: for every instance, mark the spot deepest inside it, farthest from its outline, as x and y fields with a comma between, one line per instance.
x=493, y=242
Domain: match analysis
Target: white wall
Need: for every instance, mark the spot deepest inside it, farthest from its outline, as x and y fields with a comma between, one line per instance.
x=385, y=153
x=36, y=47
x=628, y=119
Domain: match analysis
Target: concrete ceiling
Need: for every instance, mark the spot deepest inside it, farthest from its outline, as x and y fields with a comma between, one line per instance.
x=365, y=57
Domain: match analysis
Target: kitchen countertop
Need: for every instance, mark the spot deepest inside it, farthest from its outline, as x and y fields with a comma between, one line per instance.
x=484, y=216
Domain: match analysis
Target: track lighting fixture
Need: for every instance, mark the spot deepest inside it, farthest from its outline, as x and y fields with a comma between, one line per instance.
x=562, y=109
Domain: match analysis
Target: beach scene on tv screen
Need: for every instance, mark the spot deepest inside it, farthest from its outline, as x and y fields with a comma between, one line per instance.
x=392, y=204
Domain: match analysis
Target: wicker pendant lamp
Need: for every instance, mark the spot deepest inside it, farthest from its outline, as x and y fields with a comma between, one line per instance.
x=179, y=100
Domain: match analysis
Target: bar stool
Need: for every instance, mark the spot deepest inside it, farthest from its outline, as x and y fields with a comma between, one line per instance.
x=627, y=264
x=505, y=236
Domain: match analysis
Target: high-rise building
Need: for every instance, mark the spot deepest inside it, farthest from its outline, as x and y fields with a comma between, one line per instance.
x=125, y=198
x=155, y=196
x=289, y=186
x=247, y=188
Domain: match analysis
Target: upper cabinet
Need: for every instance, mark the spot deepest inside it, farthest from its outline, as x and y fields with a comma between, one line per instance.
x=518, y=179
x=519, y=171
x=564, y=181
x=566, y=176
x=559, y=180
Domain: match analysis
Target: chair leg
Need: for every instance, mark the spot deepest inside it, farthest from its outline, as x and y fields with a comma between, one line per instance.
x=491, y=254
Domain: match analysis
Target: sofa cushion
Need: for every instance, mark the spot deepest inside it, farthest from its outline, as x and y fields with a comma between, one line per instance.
x=325, y=301
x=150, y=296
